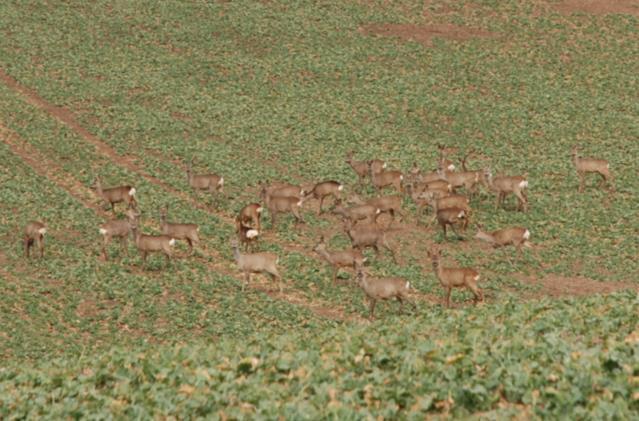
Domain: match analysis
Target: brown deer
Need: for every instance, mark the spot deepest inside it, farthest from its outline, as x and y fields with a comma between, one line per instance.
x=360, y=167
x=363, y=212
x=369, y=235
x=387, y=178
x=446, y=202
x=443, y=162
x=504, y=185
x=256, y=263
x=449, y=217
x=152, y=243
x=188, y=232
x=384, y=289
x=467, y=179
x=248, y=236
x=250, y=216
x=339, y=259
x=117, y=228
x=323, y=190
x=591, y=165
x=386, y=204
x=516, y=236
x=34, y=233
x=451, y=278
x=284, y=204
x=113, y=195
x=211, y=182
x=281, y=189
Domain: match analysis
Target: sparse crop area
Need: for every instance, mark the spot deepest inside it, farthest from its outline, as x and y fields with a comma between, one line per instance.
x=133, y=92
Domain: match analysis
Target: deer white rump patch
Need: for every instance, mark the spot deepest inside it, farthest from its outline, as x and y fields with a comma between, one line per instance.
x=172, y=242
x=103, y=231
x=384, y=166
x=523, y=184
x=341, y=187
x=252, y=233
x=42, y=231
x=476, y=278
x=451, y=167
x=526, y=235
x=365, y=259
x=259, y=210
x=221, y=182
x=407, y=285
x=132, y=191
x=300, y=203
x=461, y=214
x=378, y=211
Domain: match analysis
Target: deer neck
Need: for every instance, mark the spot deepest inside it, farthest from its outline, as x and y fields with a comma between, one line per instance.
x=482, y=235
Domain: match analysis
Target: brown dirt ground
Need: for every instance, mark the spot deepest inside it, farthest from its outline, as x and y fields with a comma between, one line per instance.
x=561, y=286
x=598, y=7
x=424, y=34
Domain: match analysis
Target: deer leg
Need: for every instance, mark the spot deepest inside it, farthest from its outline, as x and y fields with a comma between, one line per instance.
x=522, y=200
x=27, y=246
x=479, y=296
x=581, y=182
x=40, y=243
x=190, y=242
x=497, y=202
x=320, y=211
x=448, y=291
x=335, y=270
x=373, y=302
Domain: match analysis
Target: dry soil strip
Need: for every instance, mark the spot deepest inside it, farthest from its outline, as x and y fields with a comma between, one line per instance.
x=46, y=168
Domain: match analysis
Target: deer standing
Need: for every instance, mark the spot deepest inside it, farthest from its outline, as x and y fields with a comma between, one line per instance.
x=504, y=185
x=117, y=228
x=449, y=217
x=34, y=233
x=516, y=236
x=451, y=278
x=369, y=235
x=591, y=165
x=339, y=259
x=384, y=289
x=152, y=243
x=113, y=195
x=256, y=263
x=323, y=190
x=188, y=232
x=213, y=183
x=360, y=167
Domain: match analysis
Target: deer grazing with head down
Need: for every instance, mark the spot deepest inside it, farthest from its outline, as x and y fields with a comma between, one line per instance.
x=339, y=259
x=323, y=190
x=34, y=233
x=187, y=232
x=386, y=178
x=384, y=289
x=449, y=217
x=368, y=235
x=592, y=165
x=363, y=212
x=505, y=185
x=256, y=263
x=250, y=216
x=152, y=243
x=515, y=236
x=282, y=204
x=211, y=182
x=451, y=278
x=391, y=205
x=117, y=228
x=113, y=195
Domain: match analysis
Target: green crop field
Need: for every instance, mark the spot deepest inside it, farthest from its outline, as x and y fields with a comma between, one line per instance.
x=281, y=91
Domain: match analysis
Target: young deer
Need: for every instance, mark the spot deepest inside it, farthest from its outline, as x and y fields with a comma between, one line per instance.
x=284, y=204
x=449, y=217
x=256, y=263
x=357, y=213
x=516, y=236
x=324, y=189
x=339, y=259
x=386, y=204
x=387, y=178
x=451, y=278
x=250, y=216
x=451, y=201
x=360, y=167
x=188, y=232
x=504, y=185
x=152, y=243
x=591, y=165
x=34, y=235
x=113, y=195
x=211, y=182
x=468, y=179
x=281, y=190
x=117, y=228
x=384, y=289
x=369, y=235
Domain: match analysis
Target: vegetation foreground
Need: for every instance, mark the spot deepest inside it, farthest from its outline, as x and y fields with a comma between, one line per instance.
x=284, y=91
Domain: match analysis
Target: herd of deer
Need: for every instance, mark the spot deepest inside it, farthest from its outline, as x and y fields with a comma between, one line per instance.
x=437, y=189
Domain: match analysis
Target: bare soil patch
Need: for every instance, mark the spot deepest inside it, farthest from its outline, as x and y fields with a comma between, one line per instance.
x=424, y=34
x=561, y=286
x=598, y=7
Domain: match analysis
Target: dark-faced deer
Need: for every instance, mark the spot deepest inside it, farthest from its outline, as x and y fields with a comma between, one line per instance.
x=34, y=233
x=339, y=259
x=384, y=289
x=113, y=195
x=451, y=278
x=593, y=166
